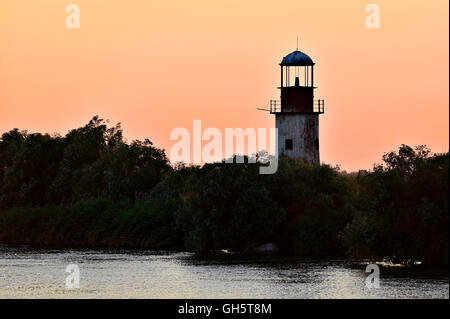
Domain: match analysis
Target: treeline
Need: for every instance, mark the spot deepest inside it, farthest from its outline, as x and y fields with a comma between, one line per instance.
x=92, y=188
x=89, y=162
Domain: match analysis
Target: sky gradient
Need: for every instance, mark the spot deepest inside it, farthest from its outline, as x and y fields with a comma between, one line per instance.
x=155, y=66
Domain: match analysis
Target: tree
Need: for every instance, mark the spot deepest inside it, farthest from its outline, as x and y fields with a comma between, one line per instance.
x=403, y=209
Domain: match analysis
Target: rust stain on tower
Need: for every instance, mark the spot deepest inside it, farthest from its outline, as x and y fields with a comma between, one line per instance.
x=297, y=113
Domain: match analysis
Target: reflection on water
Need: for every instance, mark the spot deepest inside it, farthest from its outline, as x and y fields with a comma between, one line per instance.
x=31, y=273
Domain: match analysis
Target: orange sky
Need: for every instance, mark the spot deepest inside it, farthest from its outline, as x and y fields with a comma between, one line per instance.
x=157, y=65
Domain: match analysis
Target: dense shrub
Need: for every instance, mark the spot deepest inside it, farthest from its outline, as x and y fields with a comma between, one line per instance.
x=91, y=161
x=403, y=209
x=91, y=223
x=91, y=188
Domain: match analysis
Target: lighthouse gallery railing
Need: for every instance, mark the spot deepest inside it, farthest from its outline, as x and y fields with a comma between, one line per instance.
x=318, y=107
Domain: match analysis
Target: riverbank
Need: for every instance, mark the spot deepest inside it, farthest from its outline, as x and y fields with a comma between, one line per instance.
x=102, y=224
x=92, y=223
x=93, y=189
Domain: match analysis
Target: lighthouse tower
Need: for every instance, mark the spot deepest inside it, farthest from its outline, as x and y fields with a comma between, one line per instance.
x=297, y=113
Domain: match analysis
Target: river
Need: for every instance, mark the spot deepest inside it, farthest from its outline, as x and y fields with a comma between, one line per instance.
x=41, y=273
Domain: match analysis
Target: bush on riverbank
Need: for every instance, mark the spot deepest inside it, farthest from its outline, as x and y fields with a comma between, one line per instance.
x=90, y=223
x=89, y=162
x=399, y=210
x=403, y=209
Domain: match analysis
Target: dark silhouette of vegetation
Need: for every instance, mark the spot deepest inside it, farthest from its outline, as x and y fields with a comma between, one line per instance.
x=89, y=162
x=90, y=223
x=91, y=188
x=403, y=209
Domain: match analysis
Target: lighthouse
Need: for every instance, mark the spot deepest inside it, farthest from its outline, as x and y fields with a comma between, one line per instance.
x=297, y=112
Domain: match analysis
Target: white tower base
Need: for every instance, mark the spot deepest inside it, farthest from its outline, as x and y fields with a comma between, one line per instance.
x=298, y=136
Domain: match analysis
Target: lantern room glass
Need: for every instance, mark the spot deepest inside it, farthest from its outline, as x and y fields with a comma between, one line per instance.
x=300, y=76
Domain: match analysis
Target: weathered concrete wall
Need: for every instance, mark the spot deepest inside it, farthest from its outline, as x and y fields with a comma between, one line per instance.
x=303, y=129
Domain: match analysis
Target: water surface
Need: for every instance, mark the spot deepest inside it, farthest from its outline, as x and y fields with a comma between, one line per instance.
x=37, y=273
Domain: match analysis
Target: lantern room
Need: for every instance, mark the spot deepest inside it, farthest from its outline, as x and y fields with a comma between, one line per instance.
x=297, y=86
x=297, y=70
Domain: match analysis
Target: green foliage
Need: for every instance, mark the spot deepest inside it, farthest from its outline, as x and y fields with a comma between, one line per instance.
x=91, y=223
x=91, y=161
x=232, y=206
x=227, y=207
x=403, y=209
x=318, y=202
x=91, y=188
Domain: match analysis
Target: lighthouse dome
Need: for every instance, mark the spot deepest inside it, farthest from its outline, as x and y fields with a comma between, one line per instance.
x=297, y=58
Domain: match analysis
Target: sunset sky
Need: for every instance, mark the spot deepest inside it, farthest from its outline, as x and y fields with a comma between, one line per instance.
x=158, y=65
